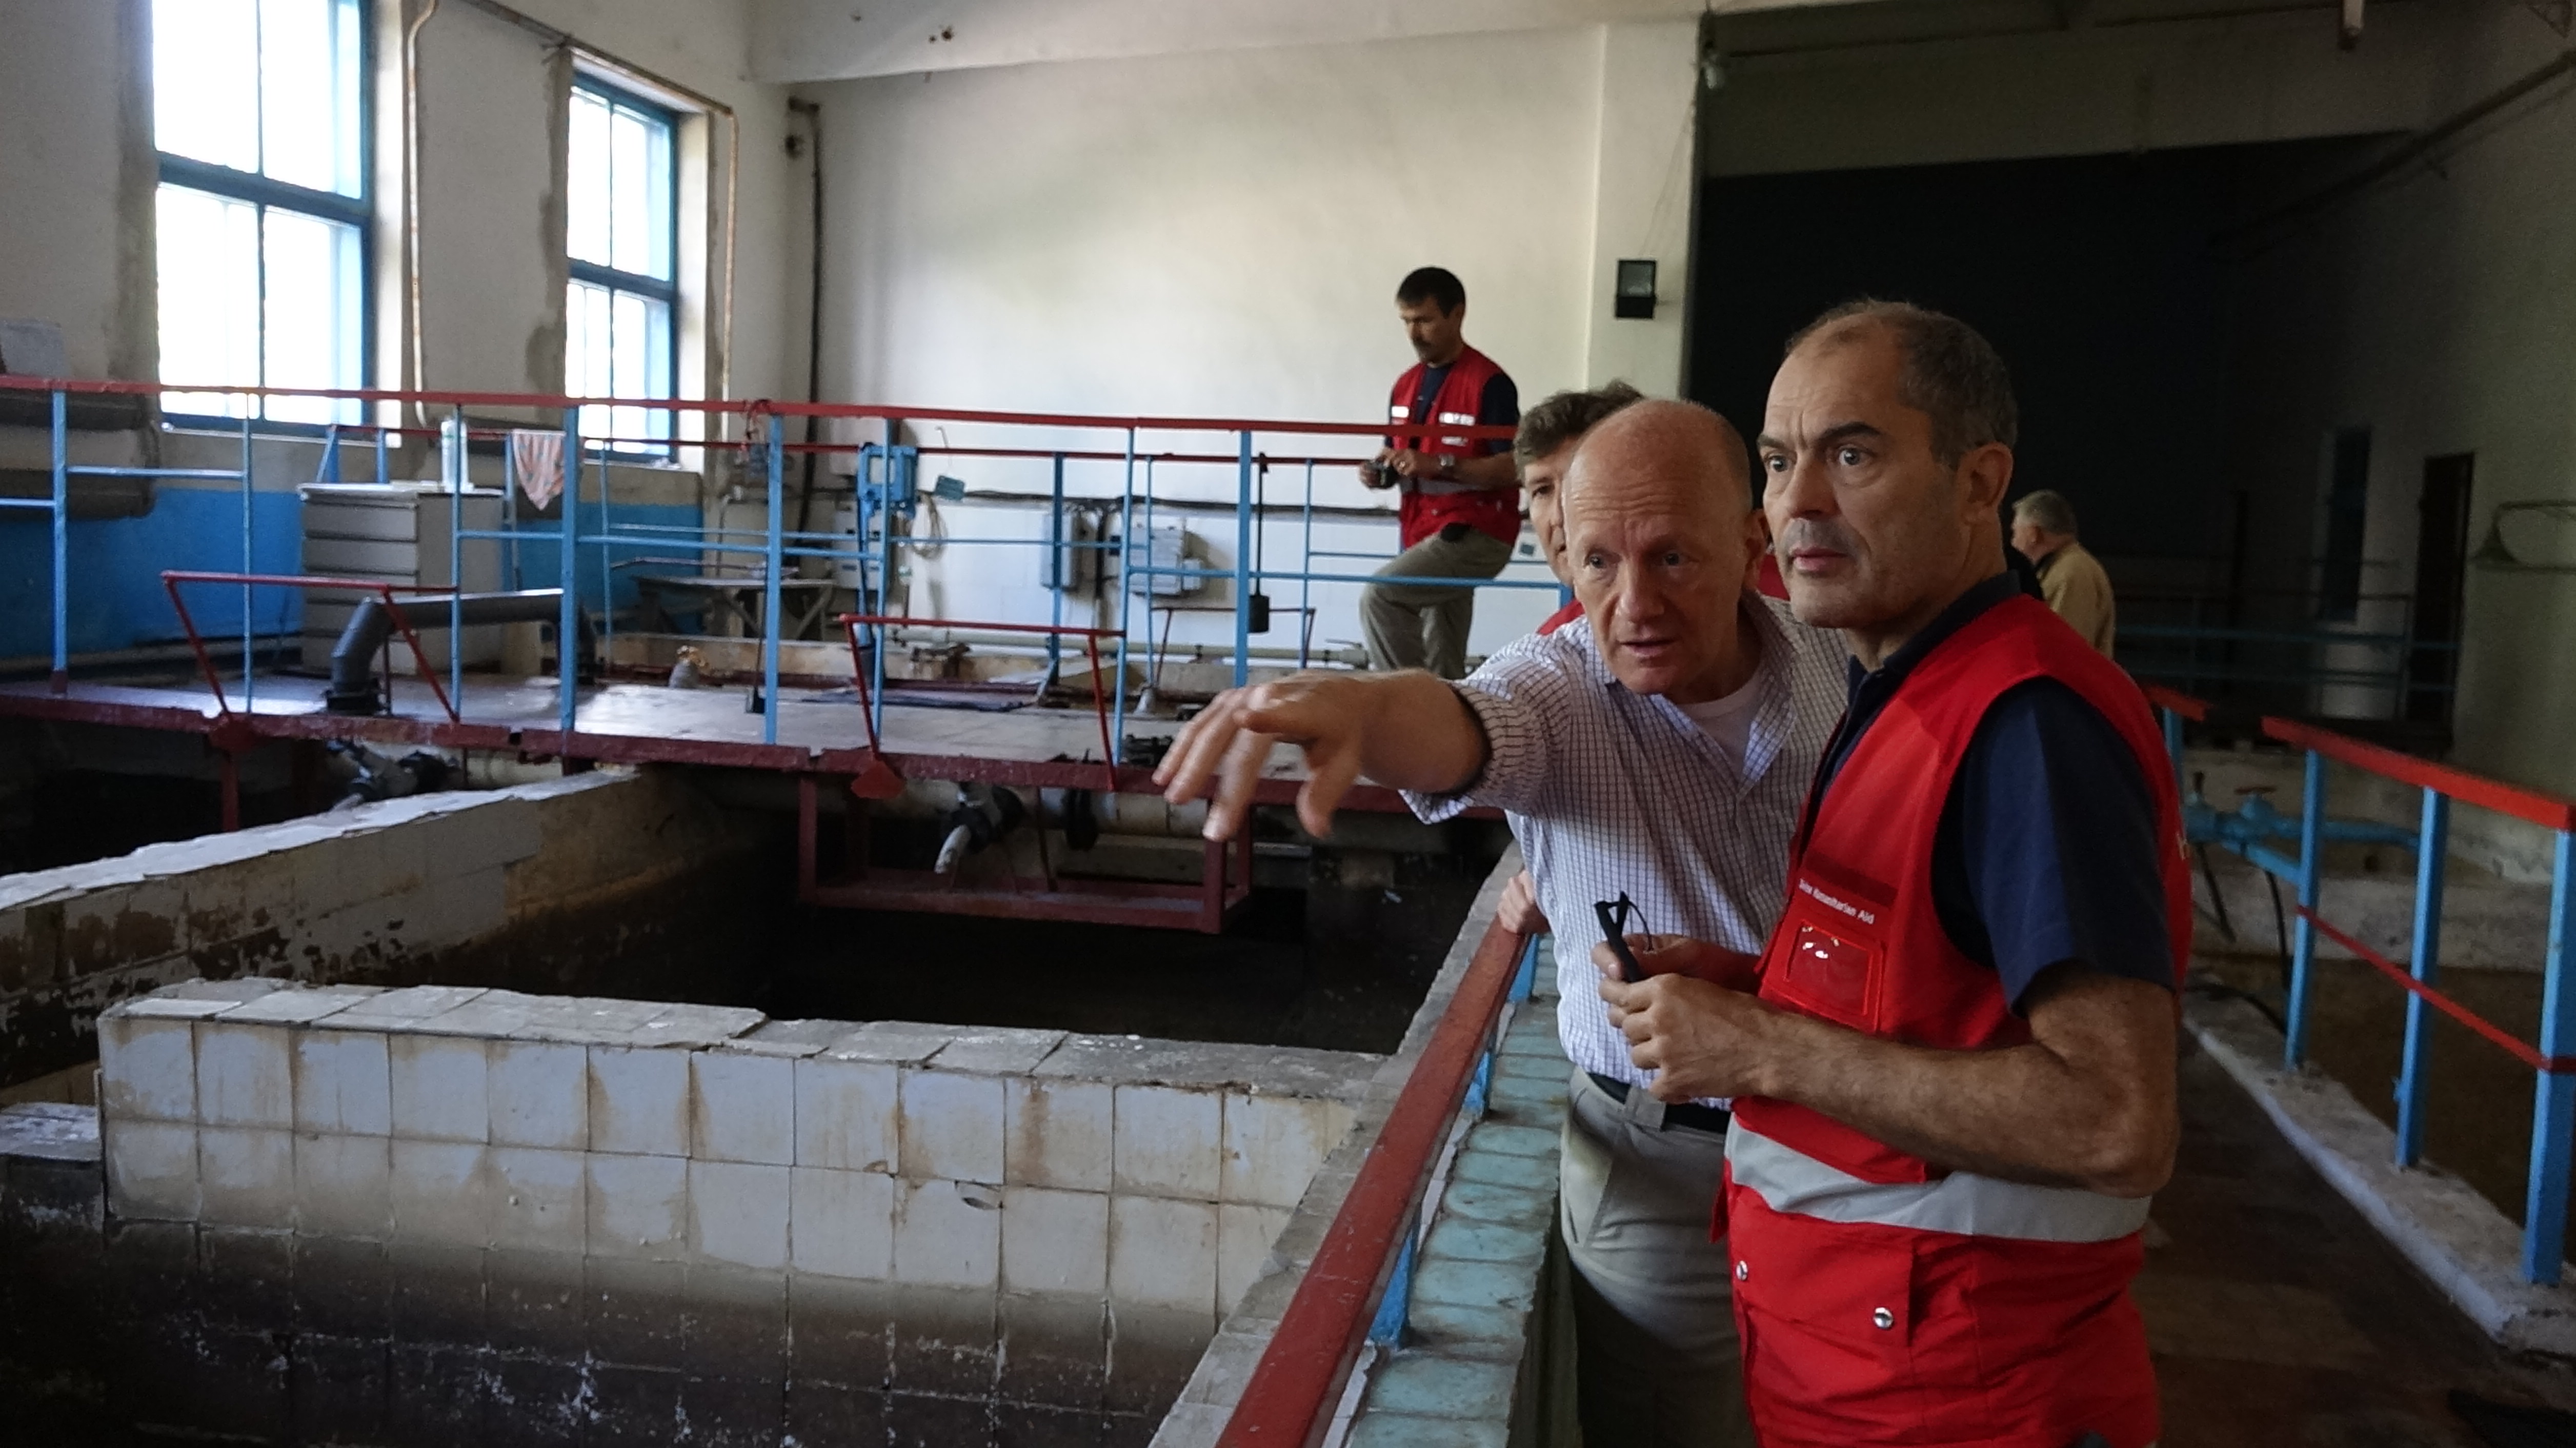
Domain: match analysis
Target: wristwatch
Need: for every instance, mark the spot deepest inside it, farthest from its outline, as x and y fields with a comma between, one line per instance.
x=1448, y=465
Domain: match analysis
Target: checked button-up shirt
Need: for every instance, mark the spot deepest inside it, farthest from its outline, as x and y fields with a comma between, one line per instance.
x=1609, y=791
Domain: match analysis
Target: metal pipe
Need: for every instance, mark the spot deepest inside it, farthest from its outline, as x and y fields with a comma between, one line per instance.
x=2544, y=1212
x=2303, y=947
x=570, y=538
x=813, y=115
x=411, y=193
x=770, y=636
x=250, y=562
x=2413, y=1081
x=62, y=676
x=353, y=678
x=2407, y=150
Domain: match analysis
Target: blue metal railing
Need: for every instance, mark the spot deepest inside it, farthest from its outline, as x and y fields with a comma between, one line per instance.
x=2246, y=832
x=887, y=490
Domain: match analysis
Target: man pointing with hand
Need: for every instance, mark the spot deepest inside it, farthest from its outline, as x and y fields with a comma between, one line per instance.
x=1657, y=749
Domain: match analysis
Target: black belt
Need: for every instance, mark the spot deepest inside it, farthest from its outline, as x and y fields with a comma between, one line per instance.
x=1687, y=1113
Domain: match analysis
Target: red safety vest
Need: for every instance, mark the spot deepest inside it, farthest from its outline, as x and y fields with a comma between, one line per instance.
x=1881, y=1299
x=1430, y=504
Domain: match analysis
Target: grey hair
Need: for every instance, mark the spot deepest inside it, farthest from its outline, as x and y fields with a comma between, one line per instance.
x=1952, y=374
x=2049, y=510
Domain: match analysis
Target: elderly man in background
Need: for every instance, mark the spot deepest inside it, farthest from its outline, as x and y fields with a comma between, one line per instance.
x=1954, y=1090
x=2070, y=578
x=1659, y=753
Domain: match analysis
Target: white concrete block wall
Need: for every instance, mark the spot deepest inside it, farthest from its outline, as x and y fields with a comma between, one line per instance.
x=1149, y=1173
x=318, y=899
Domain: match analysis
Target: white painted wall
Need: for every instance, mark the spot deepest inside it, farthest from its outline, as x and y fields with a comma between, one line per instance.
x=69, y=248
x=1220, y=235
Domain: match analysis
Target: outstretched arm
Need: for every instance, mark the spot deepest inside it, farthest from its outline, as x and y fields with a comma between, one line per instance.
x=2089, y=1102
x=1406, y=730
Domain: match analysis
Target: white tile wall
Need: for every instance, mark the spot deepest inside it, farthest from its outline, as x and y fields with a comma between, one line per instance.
x=1055, y=1241
x=152, y=1169
x=947, y=1235
x=1274, y=1143
x=738, y=1213
x=150, y=1067
x=639, y=1206
x=243, y=1076
x=383, y=1116
x=1243, y=1237
x=442, y=1193
x=1168, y=1142
x=743, y=1107
x=952, y=1126
x=540, y=1094
x=344, y=1186
x=343, y=1082
x=1057, y=1133
x=540, y=1199
x=639, y=1100
x=841, y=1223
x=1162, y=1253
x=246, y=1176
x=441, y=1089
x=845, y=1114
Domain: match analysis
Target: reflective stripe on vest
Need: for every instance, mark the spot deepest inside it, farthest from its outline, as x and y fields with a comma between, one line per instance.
x=1961, y=1203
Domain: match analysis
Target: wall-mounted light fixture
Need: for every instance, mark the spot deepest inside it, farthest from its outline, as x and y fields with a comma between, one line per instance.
x=1634, y=293
x=2497, y=554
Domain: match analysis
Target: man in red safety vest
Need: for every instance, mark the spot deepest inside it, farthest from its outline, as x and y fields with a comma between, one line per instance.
x=1459, y=513
x=1954, y=1087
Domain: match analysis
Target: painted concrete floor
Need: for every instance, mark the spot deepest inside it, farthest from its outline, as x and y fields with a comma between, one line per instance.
x=2279, y=1317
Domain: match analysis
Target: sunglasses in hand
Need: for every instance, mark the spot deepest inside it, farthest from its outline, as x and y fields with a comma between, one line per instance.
x=1619, y=919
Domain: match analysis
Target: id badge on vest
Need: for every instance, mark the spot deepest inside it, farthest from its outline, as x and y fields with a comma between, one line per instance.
x=1834, y=964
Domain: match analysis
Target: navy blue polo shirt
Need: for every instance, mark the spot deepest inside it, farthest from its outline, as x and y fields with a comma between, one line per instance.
x=2046, y=850
x=1499, y=405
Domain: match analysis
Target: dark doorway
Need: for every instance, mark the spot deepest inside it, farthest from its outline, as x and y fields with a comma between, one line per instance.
x=2441, y=562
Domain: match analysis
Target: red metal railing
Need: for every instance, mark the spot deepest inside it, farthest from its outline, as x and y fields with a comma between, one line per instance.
x=1303, y=1369
x=171, y=578
x=1091, y=638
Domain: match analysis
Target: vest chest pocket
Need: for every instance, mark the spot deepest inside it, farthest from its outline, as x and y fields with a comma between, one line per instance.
x=1834, y=963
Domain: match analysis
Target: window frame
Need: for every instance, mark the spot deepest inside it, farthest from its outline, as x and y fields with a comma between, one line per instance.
x=266, y=192
x=666, y=292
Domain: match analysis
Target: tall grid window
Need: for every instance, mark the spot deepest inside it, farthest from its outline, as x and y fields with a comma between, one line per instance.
x=258, y=115
x=622, y=228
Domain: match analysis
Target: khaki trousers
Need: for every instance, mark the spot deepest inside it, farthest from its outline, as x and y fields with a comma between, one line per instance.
x=1656, y=1357
x=1424, y=625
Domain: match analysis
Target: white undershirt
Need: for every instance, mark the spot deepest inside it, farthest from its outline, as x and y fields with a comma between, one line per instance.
x=1729, y=721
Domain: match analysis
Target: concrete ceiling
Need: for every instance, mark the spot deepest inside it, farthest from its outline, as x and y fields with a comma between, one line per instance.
x=812, y=40
x=823, y=40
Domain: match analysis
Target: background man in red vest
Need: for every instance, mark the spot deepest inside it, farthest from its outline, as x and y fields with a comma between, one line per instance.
x=1955, y=1084
x=1460, y=508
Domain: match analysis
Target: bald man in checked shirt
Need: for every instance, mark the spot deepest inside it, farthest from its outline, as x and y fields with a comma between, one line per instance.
x=1661, y=750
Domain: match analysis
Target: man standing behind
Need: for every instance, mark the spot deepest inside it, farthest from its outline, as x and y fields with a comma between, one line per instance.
x=1656, y=750
x=2070, y=578
x=1955, y=1089
x=1459, y=513
x=1544, y=449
